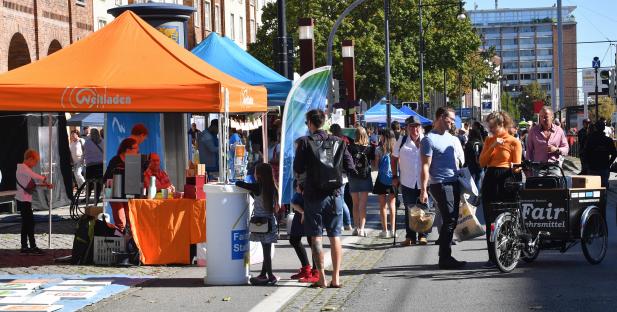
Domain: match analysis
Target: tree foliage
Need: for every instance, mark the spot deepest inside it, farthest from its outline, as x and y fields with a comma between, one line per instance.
x=606, y=109
x=450, y=44
x=531, y=93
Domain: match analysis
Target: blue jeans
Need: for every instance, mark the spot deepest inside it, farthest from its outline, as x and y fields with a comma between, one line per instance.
x=323, y=213
x=410, y=197
x=346, y=215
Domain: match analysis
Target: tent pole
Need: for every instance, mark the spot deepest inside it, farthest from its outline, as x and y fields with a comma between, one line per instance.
x=51, y=190
x=264, y=136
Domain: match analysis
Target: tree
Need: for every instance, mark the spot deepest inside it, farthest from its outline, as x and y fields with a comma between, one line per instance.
x=606, y=109
x=510, y=106
x=448, y=42
x=530, y=94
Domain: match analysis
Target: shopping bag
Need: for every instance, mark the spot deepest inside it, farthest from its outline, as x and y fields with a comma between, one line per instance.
x=468, y=185
x=468, y=226
x=420, y=219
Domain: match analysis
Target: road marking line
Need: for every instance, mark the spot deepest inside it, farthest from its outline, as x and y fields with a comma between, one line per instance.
x=282, y=295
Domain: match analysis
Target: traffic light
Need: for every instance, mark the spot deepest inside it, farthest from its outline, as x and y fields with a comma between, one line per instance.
x=605, y=81
x=611, y=89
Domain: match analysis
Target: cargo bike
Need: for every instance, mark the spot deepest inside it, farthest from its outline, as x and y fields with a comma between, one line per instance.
x=547, y=214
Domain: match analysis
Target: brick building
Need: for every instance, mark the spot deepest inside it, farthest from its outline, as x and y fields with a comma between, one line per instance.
x=34, y=29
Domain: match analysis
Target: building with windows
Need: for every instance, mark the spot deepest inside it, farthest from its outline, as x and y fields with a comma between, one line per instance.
x=99, y=11
x=34, y=29
x=526, y=41
x=236, y=19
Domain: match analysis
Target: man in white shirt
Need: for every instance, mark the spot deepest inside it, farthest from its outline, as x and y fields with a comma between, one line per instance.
x=77, y=156
x=406, y=160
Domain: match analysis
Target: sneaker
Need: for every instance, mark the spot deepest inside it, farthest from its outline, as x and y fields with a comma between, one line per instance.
x=451, y=264
x=423, y=241
x=355, y=232
x=489, y=265
x=313, y=278
x=36, y=251
x=304, y=271
x=384, y=234
x=260, y=280
x=347, y=228
x=24, y=250
x=272, y=280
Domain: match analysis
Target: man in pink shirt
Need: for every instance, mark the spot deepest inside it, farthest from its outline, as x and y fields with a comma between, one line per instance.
x=546, y=141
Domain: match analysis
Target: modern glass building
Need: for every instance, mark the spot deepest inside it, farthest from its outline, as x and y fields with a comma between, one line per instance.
x=526, y=41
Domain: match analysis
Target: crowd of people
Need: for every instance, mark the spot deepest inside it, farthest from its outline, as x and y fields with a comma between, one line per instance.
x=421, y=163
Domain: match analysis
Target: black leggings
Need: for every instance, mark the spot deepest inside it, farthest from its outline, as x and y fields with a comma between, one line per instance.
x=296, y=243
x=493, y=190
x=266, y=266
x=27, y=224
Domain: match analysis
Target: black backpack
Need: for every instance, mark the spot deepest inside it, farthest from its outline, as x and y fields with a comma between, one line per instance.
x=325, y=171
x=83, y=249
x=361, y=161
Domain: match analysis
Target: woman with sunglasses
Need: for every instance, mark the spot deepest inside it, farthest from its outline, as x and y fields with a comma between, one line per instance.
x=120, y=211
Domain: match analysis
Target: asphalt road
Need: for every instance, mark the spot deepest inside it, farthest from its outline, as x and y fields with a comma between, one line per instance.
x=407, y=279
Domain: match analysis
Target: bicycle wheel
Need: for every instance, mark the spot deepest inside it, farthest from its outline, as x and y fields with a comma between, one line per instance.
x=507, y=251
x=530, y=254
x=594, y=238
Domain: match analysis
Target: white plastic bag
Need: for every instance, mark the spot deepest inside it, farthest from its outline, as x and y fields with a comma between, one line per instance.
x=468, y=227
x=201, y=254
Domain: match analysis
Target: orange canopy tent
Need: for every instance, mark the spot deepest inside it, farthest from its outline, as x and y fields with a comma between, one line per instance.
x=127, y=66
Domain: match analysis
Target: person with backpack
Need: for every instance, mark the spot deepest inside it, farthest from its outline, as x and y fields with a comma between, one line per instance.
x=383, y=185
x=319, y=164
x=472, y=150
x=406, y=160
x=361, y=183
x=265, y=196
x=337, y=131
x=500, y=151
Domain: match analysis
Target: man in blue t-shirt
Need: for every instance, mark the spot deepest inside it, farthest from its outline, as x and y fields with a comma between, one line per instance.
x=442, y=155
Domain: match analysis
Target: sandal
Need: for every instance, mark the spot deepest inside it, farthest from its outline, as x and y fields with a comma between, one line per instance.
x=335, y=286
x=317, y=285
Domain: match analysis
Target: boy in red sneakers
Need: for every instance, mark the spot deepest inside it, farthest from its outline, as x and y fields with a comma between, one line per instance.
x=305, y=274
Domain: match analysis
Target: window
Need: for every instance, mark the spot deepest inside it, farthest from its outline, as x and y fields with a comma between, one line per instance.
x=544, y=52
x=217, y=18
x=544, y=64
x=525, y=29
x=526, y=40
x=196, y=17
x=509, y=53
x=545, y=40
x=252, y=34
x=508, y=30
x=526, y=76
x=527, y=53
x=510, y=65
x=509, y=41
x=544, y=28
x=526, y=65
x=545, y=76
x=232, y=29
x=80, y=2
x=241, y=32
x=208, y=15
x=101, y=23
x=492, y=42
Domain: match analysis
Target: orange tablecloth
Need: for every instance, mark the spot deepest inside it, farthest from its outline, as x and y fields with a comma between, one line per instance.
x=164, y=228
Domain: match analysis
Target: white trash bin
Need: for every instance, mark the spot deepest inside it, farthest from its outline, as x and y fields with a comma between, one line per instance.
x=227, y=216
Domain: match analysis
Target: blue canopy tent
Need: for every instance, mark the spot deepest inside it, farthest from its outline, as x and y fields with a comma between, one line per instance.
x=425, y=121
x=458, y=122
x=377, y=113
x=87, y=120
x=228, y=57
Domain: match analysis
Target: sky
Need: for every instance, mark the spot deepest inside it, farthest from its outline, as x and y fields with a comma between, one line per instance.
x=596, y=20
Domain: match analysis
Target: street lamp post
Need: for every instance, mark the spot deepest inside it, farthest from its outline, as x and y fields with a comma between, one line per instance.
x=307, y=45
x=349, y=75
x=386, y=8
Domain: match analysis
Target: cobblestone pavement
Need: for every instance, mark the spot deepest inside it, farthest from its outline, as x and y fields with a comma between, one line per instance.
x=13, y=263
x=357, y=263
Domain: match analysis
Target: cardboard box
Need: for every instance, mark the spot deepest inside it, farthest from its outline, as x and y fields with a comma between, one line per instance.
x=94, y=211
x=586, y=181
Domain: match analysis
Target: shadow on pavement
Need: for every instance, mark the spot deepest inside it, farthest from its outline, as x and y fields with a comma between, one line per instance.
x=12, y=258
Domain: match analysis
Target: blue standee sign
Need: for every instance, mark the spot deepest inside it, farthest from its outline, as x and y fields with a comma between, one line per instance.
x=239, y=244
